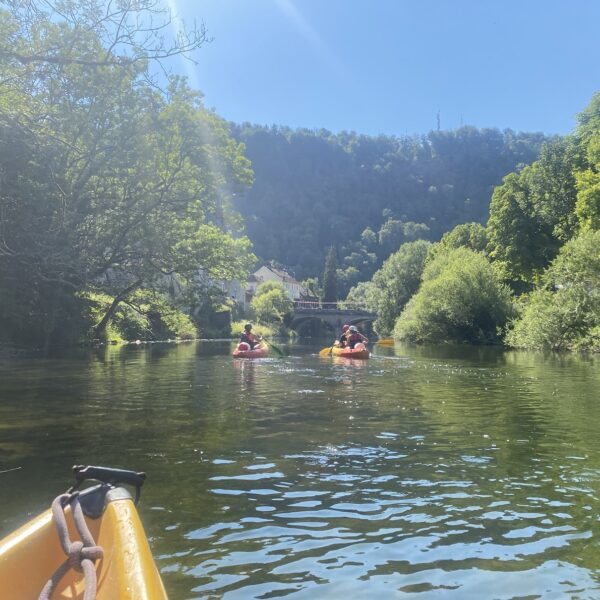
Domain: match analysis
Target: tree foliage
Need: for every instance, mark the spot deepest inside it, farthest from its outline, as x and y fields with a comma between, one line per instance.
x=466, y=235
x=460, y=300
x=532, y=214
x=588, y=173
x=368, y=195
x=564, y=313
x=394, y=284
x=271, y=303
x=109, y=185
x=330, y=289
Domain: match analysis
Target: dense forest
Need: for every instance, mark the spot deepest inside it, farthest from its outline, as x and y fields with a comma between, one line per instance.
x=529, y=278
x=367, y=195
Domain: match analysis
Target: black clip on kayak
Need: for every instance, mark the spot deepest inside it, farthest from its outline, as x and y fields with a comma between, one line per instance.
x=109, y=476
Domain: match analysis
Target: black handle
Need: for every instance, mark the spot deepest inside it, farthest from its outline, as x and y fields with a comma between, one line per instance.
x=109, y=475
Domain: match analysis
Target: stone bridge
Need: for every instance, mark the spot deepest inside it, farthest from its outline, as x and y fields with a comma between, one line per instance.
x=333, y=314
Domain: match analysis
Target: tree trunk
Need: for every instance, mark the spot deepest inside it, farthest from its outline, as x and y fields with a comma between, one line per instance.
x=100, y=329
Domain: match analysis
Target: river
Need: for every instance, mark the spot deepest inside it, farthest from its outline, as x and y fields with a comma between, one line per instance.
x=450, y=472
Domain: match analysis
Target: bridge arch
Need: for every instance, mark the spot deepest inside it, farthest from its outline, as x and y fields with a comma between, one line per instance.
x=329, y=314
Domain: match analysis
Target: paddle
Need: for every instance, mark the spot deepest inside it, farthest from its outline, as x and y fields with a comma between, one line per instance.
x=327, y=351
x=386, y=342
x=277, y=349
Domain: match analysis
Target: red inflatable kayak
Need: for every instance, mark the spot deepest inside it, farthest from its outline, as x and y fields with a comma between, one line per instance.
x=359, y=351
x=243, y=351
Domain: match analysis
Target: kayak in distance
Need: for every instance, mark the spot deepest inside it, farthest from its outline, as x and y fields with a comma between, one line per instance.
x=243, y=351
x=113, y=553
x=359, y=351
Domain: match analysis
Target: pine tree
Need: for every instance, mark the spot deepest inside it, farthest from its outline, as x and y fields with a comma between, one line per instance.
x=330, y=290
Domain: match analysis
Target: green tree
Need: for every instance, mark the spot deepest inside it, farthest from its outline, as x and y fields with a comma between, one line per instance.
x=271, y=303
x=361, y=294
x=391, y=235
x=588, y=173
x=466, y=235
x=460, y=300
x=564, y=313
x=532, y=214
x=315, y=189
x=394, y=284
x=330, y=288
x=313, y=287
x=115, y=186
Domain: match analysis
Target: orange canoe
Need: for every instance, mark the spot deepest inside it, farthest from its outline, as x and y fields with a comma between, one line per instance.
x=30, y=555
x=243, y=351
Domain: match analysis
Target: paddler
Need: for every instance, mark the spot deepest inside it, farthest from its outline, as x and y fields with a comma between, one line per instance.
x=343, y=341
x=249, y=338
x=354, y=337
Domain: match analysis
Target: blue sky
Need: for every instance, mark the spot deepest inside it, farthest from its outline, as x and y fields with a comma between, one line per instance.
x=389, y=66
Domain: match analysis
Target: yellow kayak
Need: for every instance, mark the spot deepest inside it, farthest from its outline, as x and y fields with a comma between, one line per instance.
x=31, y=555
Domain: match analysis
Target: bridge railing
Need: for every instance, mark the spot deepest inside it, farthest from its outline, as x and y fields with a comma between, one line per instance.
x=305, y=305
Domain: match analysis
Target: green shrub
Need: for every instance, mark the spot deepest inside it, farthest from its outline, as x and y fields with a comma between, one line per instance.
x=148, y=315
x=271, y=303
x=460, y=300
x=564, y=314
x=394, y=284
x=259, y=329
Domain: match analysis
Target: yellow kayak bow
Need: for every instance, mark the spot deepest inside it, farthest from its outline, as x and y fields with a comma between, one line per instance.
x=126, y=571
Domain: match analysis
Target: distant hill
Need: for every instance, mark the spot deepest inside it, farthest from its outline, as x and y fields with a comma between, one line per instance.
x=366, y=195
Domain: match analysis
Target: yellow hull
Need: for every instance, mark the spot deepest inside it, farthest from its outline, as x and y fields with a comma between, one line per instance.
x=359, y=351
x=30, y=555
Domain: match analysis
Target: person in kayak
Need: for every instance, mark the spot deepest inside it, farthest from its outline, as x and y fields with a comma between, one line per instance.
x=354, y=337
x=343, y=341
x=247, y=336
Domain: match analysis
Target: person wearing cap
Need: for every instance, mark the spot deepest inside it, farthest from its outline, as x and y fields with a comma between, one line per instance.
x=354, y=337
x=344, y=337
x=248, y=337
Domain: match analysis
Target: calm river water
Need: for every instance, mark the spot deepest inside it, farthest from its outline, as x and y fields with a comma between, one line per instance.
x=421, y=473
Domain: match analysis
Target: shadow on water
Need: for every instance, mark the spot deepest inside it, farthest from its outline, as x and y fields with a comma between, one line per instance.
x=456, y=471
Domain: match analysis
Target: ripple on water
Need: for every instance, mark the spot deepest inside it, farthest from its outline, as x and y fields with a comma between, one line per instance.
x=439, y=473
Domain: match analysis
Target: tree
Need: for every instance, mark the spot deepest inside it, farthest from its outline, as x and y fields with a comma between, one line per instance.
x=588, y=173
x=466, y=235
x=314, y=189
x=313, y=287
x=115, y=185
x=564, y=313
x=394, y=284
x=391, y=235
x=330, y=292
x=460, y=300
x=532, y=214
x=361, y=294
x=130, y=33
x=271, y=303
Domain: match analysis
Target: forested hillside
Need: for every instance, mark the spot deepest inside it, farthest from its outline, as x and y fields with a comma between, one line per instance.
x=530, y=278
x=367, y=195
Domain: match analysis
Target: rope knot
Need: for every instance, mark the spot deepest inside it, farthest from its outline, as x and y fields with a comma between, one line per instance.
x=78, y=553
x=81, y=555
x=74, y=555
x=92, y=553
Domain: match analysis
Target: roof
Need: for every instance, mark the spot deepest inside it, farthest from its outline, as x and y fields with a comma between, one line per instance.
x=281, y=273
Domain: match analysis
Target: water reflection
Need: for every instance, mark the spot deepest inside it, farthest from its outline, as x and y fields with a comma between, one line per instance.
x=462, y=472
